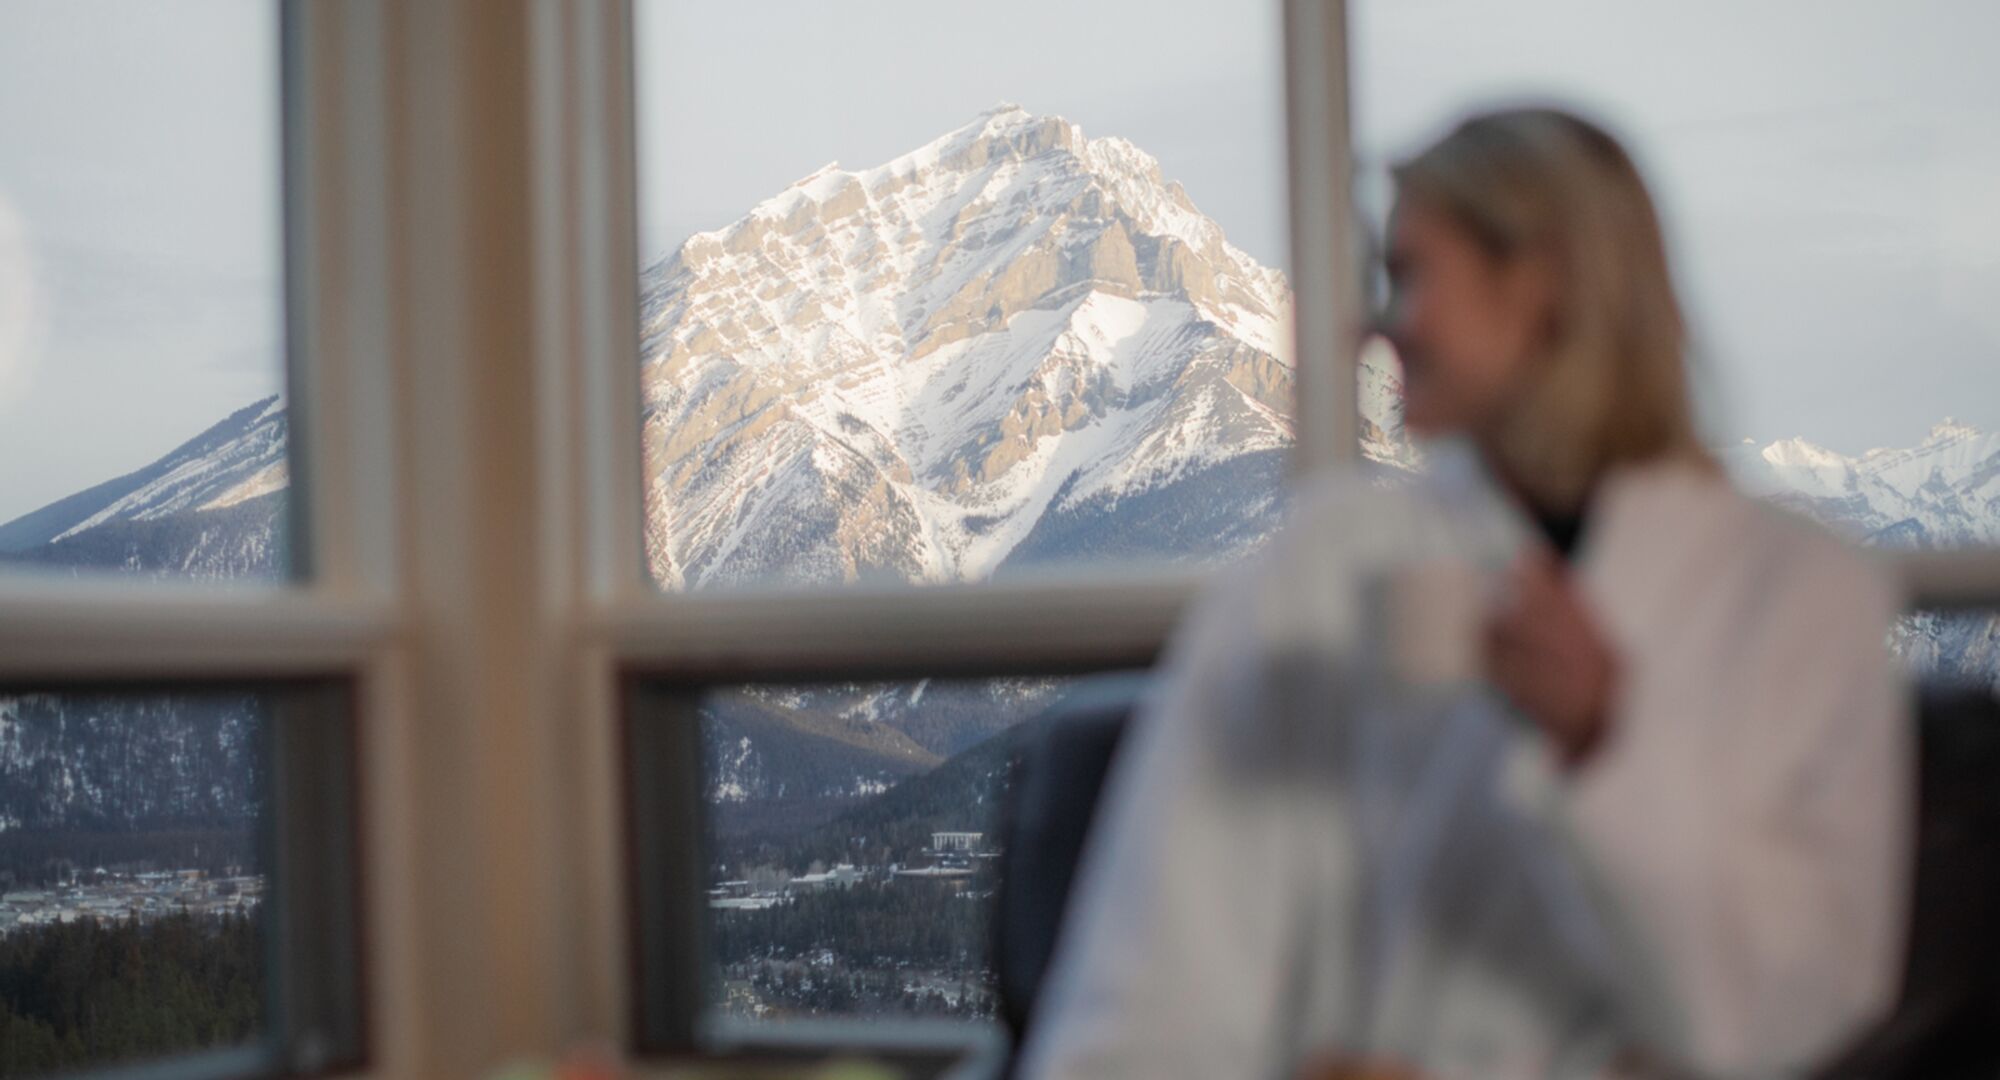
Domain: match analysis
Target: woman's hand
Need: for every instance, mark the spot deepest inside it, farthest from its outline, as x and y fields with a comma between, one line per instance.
x=1544, y=651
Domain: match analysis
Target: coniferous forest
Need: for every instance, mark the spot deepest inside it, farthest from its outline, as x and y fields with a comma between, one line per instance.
x=870, y=950
x=880, y=947
x=128, y=877
x=82, y=993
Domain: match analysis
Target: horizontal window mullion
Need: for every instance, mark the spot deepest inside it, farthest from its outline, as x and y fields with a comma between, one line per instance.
x=852, y=633
x=1951, y=579
x=60, y=629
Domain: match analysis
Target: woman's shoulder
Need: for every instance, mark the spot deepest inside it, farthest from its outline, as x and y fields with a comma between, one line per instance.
x=1699, y=497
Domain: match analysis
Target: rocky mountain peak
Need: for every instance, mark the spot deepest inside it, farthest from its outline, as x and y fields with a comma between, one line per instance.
x=1951, y=429
x=960, y=341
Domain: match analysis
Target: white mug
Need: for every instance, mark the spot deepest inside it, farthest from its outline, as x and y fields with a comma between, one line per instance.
x=1433, y=619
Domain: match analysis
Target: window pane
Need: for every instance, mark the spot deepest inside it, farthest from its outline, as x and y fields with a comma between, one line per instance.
x=853, y=842
x=131, y=876
x=1826, y=176
x=141, y=308
x=897, y=327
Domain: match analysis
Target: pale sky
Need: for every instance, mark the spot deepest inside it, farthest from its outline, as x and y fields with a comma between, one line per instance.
x=139, y=232
x=737, y=100
x=1829, y=171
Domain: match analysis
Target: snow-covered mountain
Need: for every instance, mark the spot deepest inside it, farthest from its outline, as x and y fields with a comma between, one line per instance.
x=1942, y=493
x=211, y=508
x=1015, y=343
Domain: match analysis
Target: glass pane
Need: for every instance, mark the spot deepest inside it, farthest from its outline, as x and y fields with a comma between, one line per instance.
x=1826, y=176
x=852, y=843
x=942, y=293
x=141, y=308
x=131, y=885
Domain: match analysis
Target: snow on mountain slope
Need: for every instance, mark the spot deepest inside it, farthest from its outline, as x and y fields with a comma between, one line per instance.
x=238, y=459
x=901, y=372
x=212, y=508
x=1943, y=492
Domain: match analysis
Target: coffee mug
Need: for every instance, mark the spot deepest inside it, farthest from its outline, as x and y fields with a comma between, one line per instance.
x=1432, y=620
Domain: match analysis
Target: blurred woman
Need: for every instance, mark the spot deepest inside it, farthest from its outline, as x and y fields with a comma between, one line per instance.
x=1562, y=758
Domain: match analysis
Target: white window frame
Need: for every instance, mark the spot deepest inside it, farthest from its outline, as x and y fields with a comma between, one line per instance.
x=463, y=247
x=1059, y=619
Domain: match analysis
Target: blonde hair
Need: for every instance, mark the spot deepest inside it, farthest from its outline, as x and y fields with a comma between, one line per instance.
x=1612, y=385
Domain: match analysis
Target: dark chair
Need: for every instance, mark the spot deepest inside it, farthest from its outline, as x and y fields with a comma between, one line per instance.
x=1946, y=1024
x=1057, y=777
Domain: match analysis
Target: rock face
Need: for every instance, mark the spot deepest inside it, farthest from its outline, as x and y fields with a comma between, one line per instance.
x=975, y=356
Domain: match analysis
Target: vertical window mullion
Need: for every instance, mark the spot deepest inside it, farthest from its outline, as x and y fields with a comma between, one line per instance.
x=1326, y=269
x=339, y=285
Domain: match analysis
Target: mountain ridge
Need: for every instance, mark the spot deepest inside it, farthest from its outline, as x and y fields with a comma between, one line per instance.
x=239, y=457
x=1943, y=492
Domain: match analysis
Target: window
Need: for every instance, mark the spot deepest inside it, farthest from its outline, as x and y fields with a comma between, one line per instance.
x=142, y=323
x=129, y=853
x=1034, y=313
x=852, y=840
x=1028, y=340
x=559, y=508
x=1024, y=336
x=171, y=869
x=178, y=841
x=739, y=232
x=179, y=768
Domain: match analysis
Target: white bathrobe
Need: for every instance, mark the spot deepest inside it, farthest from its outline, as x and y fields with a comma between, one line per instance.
x=1302, y=852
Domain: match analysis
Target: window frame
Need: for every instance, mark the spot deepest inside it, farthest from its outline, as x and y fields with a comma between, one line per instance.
x=1061, y=619
x=648, y=626
x=666, y=843
x=444, y=383
x=304, y=644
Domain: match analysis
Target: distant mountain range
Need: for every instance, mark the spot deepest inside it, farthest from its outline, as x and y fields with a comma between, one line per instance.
x=1942, y=493
x=1012, y=346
